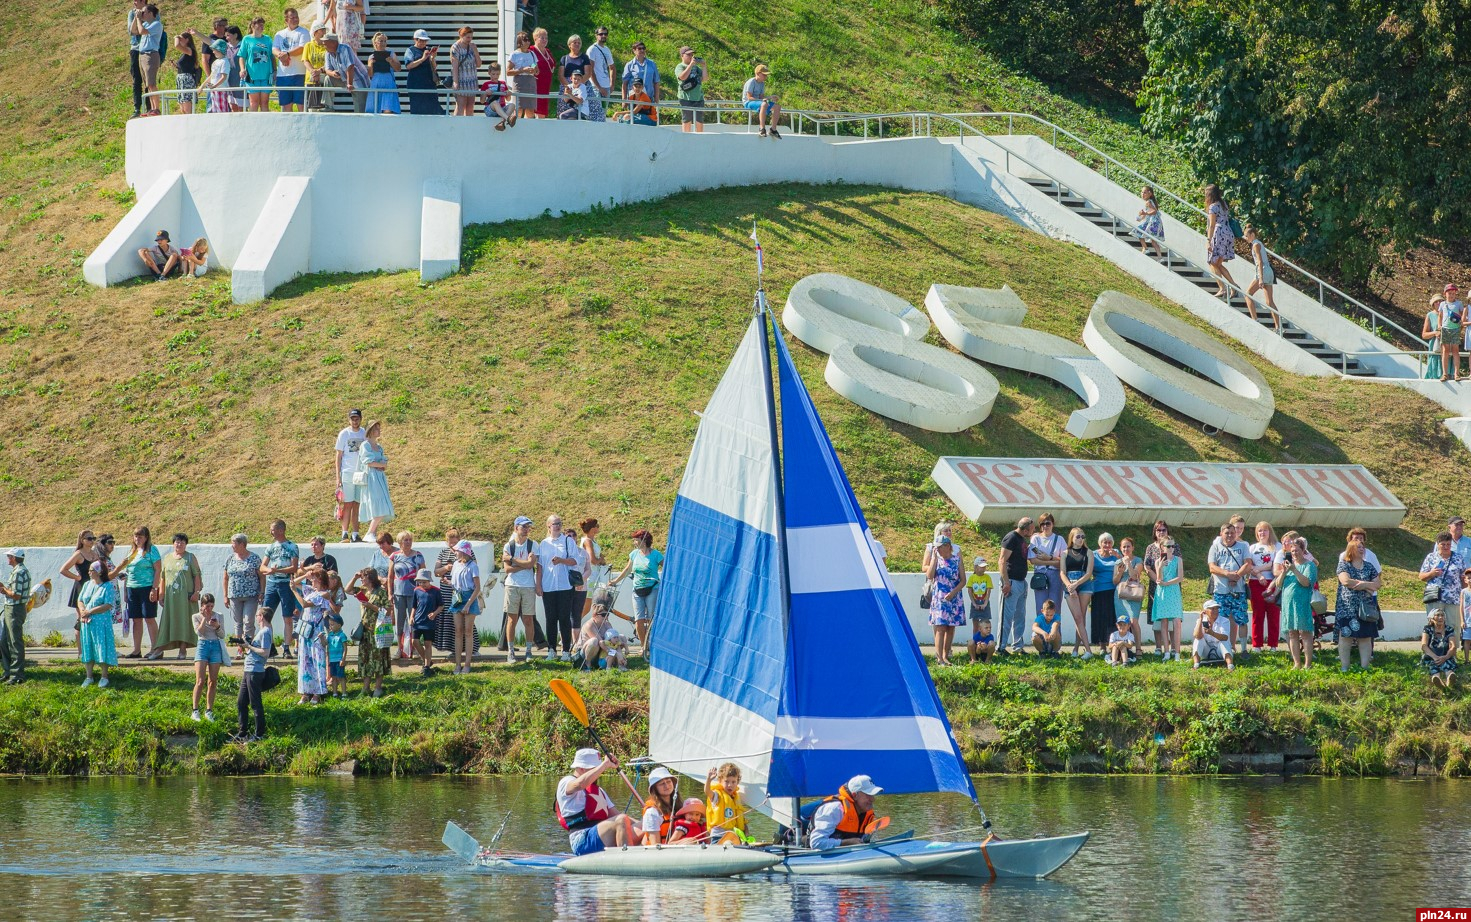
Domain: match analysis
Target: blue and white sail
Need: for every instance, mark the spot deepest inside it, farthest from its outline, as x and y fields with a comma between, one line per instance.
x=719, y=651
x=857, y=697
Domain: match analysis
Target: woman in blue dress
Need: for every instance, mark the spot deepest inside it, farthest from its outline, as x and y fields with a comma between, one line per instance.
x=377, y=507
x=1169, y=575
x=95, y=603
x=421, y=73
x=947, y=606
x=382, y=85
x=311, y=633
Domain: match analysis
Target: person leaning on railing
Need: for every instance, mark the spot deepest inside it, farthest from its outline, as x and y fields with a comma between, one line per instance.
x=257, y=66
x=344, y=72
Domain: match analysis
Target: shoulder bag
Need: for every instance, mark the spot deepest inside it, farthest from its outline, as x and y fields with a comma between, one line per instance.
x=574, y=574
x=1431, y=596
x=1039, y=581
x=926, y=594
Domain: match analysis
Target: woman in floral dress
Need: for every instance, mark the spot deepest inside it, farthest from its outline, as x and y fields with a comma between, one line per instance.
x=1220, y=240
x=375, y=633
x=311, y=634
x=947, y=607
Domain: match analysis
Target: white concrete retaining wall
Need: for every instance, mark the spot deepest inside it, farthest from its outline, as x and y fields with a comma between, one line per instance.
x=160, y=206
x=279, y=246
x=440, y=228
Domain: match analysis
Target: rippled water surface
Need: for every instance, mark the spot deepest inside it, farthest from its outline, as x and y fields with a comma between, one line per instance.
x=277, y=848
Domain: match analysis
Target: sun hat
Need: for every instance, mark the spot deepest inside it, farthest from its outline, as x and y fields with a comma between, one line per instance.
x=318, y=25
x=587, y=758
x=161, y=235
x=691, y=805
x=659, y=774
x=329, y=37
x=863, y=784
x=424, y=576
x=1210, y=603
x=465, y=547
x=421, y=33
x=218, y=46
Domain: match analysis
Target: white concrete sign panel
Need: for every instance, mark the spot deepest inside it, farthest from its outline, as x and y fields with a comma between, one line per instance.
x=1236, y=399
x=1002, y=490
x=985, y=324
x=876, y=359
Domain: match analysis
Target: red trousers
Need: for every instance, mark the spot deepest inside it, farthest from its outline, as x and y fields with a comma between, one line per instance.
x=1266, y=617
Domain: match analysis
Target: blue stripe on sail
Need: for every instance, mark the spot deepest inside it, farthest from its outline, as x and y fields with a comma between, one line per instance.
x=718, y=625
x=851, y=654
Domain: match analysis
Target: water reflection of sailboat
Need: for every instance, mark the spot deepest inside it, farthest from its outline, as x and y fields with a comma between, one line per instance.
x=780, y=644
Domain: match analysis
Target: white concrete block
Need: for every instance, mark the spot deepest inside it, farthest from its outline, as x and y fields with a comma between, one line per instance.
x=160, y=207
x=279, y=246
x=876, y=359
x=439, y=229
x=1236, y=399
x=985, y=324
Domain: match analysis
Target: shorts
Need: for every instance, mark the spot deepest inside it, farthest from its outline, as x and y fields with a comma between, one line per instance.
x=255, y=85
x=349, y=489
x=291, y=97
x=755, y=104
x=427, y=634
x=280, y=600
x=689, y=110
x=521, y=600
x=210, y=651
x=458, y=606
x=586, y=841
x=336, y=671
x=1233, y=606
x=139, y=605
x=644, y=605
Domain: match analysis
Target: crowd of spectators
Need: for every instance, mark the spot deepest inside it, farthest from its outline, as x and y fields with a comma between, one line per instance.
x=318, y=68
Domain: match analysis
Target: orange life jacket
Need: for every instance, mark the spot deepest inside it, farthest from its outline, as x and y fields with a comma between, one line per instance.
x=593, y=812
x=667, y=826
x=853, y=824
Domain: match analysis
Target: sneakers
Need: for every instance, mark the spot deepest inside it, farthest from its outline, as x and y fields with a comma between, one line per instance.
x=102, y=683
x=1087, y=655
x=762, y=133
x=194, y=716
x=511, y=656
x=774, y=133
x=87, y=682
x=208, y=715
x=344, y=537
x=565, y=657
x=551, y=656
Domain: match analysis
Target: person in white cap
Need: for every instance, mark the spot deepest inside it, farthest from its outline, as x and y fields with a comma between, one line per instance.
x=847, y=817
x=586, y=811
x=519, y=558
x=1212, y=636
x=661, y=806
x=428, y=605
x=17, y=592
x=314, y=58
x=421, y=72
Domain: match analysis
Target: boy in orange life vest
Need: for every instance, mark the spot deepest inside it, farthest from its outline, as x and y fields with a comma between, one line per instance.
x=846, y=818
x=586, y=811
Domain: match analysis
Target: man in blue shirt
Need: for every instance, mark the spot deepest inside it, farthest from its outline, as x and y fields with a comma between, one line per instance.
x=149, y=30
x=17, y=592
x=280, y=561
x=641, y=68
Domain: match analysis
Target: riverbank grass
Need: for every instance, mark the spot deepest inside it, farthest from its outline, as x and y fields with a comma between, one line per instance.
x=1019, y=715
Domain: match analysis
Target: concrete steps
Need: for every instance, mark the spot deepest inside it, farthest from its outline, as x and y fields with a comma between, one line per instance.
x=442, y=19
x=1197, y=275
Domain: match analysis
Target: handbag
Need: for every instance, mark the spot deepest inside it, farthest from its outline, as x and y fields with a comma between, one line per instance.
x=1131, y=591
x=1039, y=581
x=359, y=478
x=925, y=594
x=574, y=575
x=1431, y=596
x=1369, y=609
x=270, y=678
x=1319, y=602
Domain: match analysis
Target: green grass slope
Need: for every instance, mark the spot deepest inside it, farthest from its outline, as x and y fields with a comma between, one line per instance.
x=562, y=371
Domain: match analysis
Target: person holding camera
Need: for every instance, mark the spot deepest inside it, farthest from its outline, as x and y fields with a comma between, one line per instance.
x=421, y=72
x=1212, y=636
x=256, y=651
x=691, y=73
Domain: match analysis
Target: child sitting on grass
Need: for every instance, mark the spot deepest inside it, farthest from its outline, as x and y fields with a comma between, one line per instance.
x=1047, y=630
x=982, y=641
x=1120, y=642
x=336, y=653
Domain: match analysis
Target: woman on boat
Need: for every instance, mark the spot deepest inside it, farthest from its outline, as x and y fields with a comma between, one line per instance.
x=660, y=808
x=586, y=811
x=726, y=813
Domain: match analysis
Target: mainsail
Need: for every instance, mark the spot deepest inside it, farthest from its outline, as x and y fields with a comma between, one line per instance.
x=802, y=686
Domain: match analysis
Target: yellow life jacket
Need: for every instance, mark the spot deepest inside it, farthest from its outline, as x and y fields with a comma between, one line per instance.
x=724, y=809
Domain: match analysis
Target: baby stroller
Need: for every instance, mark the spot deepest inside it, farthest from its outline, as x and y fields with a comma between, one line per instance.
x=1323, y=619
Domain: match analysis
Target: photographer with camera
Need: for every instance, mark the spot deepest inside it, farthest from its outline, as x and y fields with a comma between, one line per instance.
x=691, y=74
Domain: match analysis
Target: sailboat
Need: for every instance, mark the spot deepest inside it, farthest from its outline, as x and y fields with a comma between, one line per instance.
x=780, y=645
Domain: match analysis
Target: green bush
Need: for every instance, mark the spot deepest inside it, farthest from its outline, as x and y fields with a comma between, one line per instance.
x=1061, y=41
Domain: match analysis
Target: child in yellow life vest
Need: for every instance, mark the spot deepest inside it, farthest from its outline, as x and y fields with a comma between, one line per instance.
x=725, y=812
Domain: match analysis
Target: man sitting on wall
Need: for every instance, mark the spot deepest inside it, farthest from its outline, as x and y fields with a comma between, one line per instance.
x=161, y=258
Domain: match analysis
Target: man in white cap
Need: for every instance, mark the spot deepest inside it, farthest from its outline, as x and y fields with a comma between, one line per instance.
x=586, y=811
x=17, y=592
x=1212, y=636
x=519, y=557
x=847, y=817
x=314, y=57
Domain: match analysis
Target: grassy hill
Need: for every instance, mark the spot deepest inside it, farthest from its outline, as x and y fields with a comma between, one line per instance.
x=562, y=371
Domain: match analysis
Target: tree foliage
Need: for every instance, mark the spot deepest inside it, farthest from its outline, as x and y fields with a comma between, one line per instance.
x=1337, y=127
x=1066, y=41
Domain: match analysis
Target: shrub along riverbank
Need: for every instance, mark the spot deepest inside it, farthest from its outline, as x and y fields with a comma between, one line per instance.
x=1013, y=717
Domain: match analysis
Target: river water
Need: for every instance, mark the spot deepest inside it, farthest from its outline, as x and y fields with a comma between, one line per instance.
x=279, y=848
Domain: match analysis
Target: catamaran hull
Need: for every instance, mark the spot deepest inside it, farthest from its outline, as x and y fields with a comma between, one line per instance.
x=904, y=858
x=638, y=861
x=1026, y=858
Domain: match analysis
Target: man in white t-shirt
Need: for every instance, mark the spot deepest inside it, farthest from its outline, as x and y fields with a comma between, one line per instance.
x=1229, y=561
x=288, y=45
x=349, y=453
x=586, y=811
x=602, y=63
x=519, y=558
x=1212, y=636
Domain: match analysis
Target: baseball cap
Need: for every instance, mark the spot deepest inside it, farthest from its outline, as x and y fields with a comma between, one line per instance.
x=1456, y=520
x=979, y=562
x=1210, y=603
x=1122, y=619
x=19, y=552
x=355, y=412
x=522, y=520
x=329, y=37
x=862, y=784
x=587, y=758
x=944, y=540
x=421, y=33
x=1452, y=287
x=686, y=49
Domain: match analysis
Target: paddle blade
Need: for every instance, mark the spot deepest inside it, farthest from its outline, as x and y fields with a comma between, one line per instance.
x=623, y=616
x=570, y=699
x=876, y=825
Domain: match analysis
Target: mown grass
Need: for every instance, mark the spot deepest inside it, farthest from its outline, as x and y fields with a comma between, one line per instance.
x=530, y=383
x=1014, y=716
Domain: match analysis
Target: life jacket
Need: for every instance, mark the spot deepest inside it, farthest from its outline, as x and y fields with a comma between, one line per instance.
x=724, y=809
x=667, y=826
x=693, y=829
x=853, y=824
x=593, y=812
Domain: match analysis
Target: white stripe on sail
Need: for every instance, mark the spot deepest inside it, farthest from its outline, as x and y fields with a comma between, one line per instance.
x=730, y=468
x=831, y=558
x=864, y=733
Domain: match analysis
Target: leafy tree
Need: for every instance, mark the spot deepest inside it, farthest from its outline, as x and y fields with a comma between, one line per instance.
x=1337, y=127
x=1067, y=41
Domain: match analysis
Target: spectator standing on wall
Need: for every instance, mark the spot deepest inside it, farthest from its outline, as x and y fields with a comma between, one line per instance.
x=373, y=499
x=522, y=68
x=1220, y=241
x=1013, y=567
x=149, y=30
x=690, y=72
x=218, y=82
x=767, y=108
x=602, y=63
x=643, y=70
x=574, y=61
x=345, y=72
x=464, y=65
x=233, y=38
x=319, y=555
x=421, y=73
x=1453, y=326
x=281, y=561
x=546, y=67
x=135, y=65
x=256, y=69
x=347, y=462
x=288, y=46
x=186, y=72
x=382, y=88
x=1044, y=551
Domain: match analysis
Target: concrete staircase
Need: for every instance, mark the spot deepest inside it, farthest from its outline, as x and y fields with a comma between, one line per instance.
x=1197, y=275
x=442, y=19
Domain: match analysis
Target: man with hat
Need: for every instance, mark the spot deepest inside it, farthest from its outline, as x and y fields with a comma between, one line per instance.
x=519, y=557
x=344, y=71
x=690, y=72
x=586, y=811
x=16, y=590
x=161, y=258
x=1212, y=636
x=314, y=57
x=847, y=817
